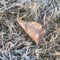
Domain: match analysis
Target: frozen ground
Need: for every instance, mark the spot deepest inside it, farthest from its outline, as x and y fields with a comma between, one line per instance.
x=15, y=44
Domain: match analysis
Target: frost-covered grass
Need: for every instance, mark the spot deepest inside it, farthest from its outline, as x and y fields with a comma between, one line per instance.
x=15, y=44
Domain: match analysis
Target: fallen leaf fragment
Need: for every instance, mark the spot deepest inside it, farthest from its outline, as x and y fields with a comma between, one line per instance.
x=33, y=29
x=57, y=54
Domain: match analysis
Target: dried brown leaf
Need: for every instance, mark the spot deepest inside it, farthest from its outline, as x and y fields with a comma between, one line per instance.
x=33, y=29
